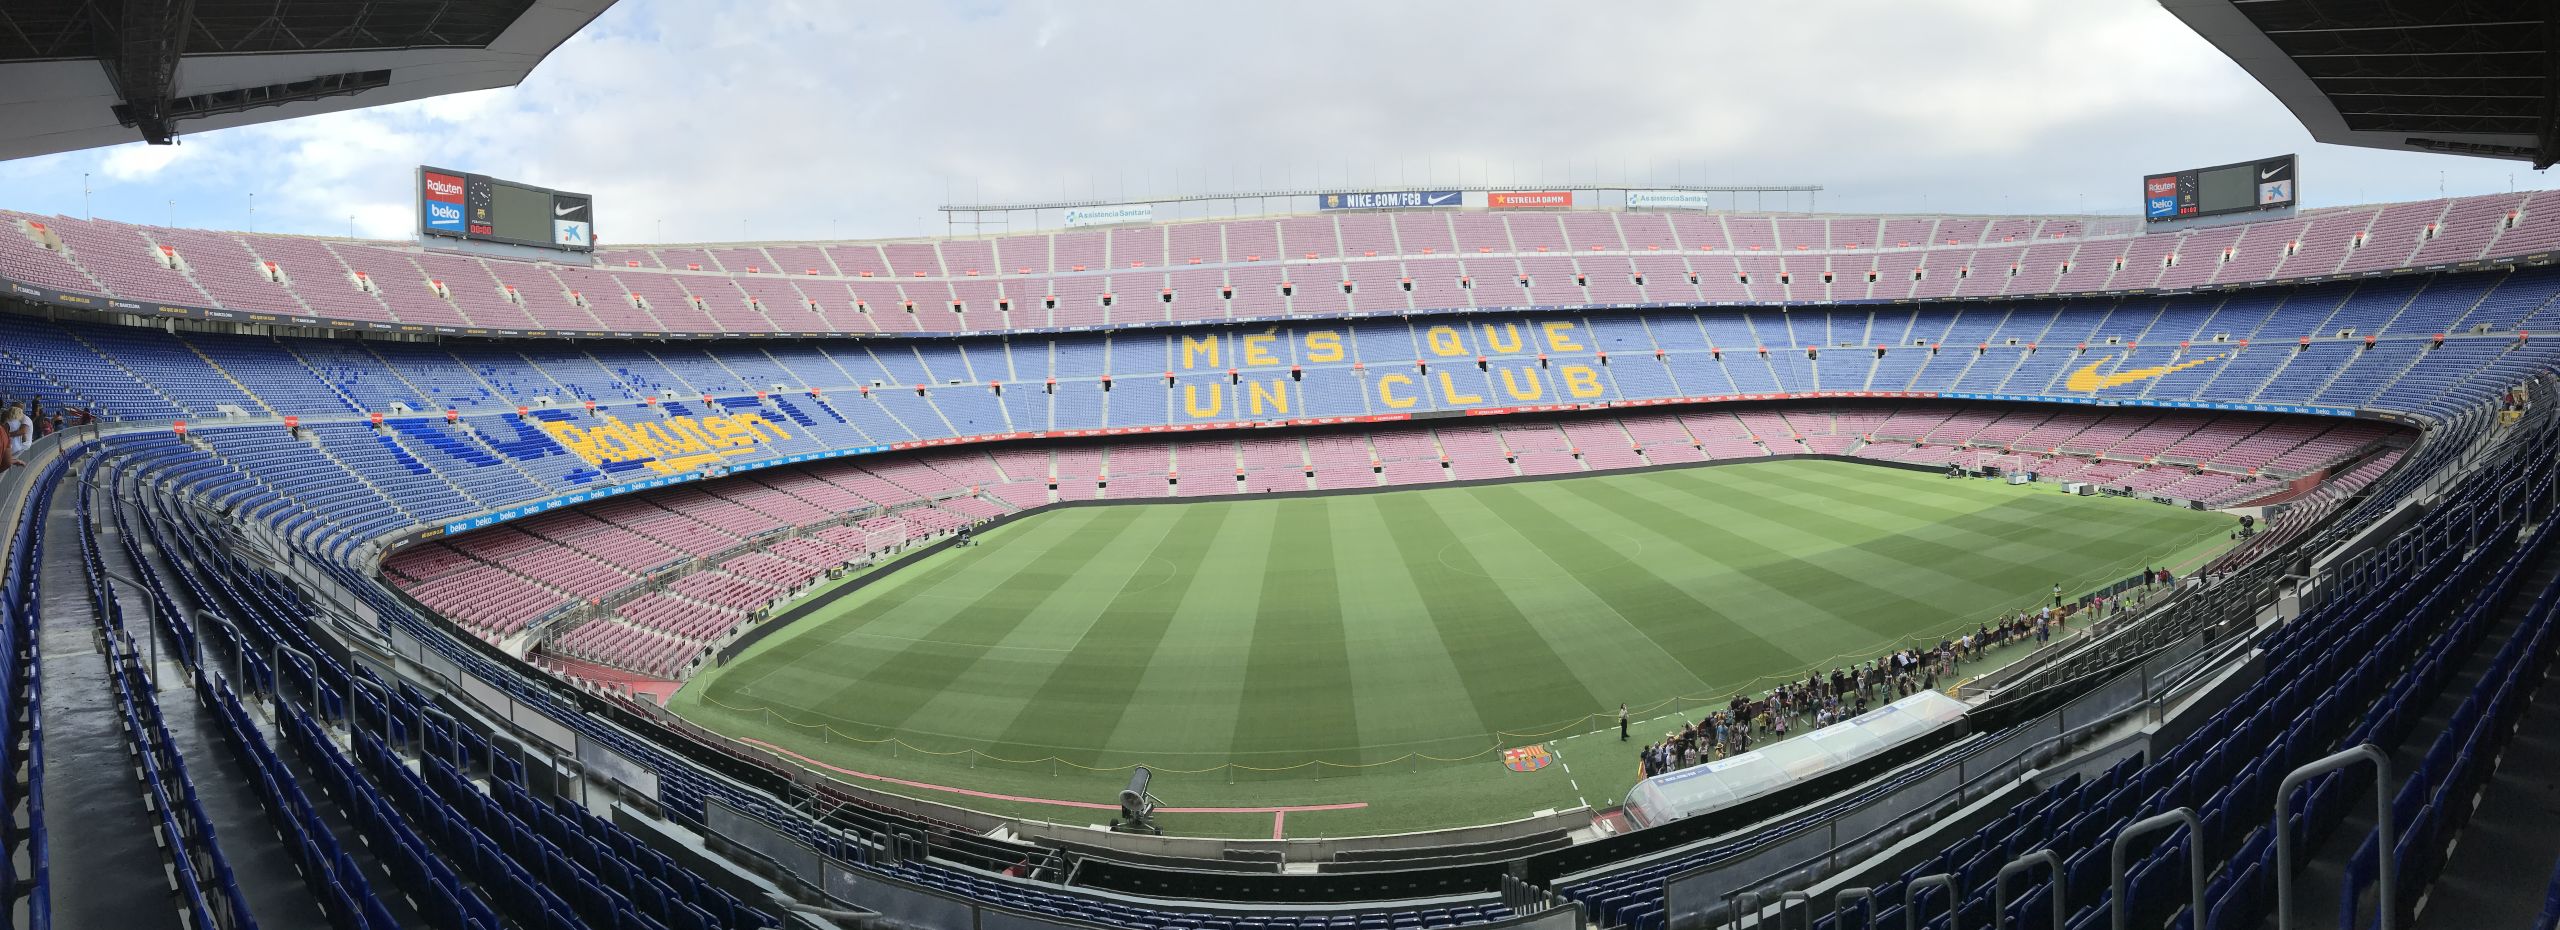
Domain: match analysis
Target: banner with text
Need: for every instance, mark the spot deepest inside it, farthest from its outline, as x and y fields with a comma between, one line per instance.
x=1669, y=200
x=1111, y=215
x=1390, y=200
x=1528, y=200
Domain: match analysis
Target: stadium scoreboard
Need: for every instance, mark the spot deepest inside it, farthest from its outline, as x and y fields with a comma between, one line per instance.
x=2241, y=187
x=456, y=205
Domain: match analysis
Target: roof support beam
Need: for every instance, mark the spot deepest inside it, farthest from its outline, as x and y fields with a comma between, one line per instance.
x=2547, y=145
x=2404, y=27
x=142, y=59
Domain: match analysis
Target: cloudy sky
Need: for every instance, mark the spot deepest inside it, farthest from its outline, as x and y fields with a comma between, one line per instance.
x=708, y=120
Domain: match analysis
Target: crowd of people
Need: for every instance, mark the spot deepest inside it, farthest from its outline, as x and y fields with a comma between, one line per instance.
x=23, y=424
x=1816, y=702
x=1820, y=701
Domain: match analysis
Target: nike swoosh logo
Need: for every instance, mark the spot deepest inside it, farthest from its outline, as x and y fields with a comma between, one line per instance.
x=2269, y=173
x=2088, y=379
x=563, y=211
x=1444, y=198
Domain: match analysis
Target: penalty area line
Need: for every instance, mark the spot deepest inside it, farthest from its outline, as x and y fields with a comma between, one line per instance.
x=1274, y=810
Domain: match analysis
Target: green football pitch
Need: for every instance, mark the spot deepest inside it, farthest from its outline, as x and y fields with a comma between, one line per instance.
x=1357, y=664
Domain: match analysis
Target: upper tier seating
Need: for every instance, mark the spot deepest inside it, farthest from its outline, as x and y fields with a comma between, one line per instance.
x=1326, y=264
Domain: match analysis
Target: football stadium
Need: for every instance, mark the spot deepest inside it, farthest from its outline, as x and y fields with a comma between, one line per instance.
x=1601, y=554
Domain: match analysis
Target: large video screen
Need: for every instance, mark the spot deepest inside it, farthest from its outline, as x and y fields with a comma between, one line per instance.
x=455, y=205
x=2241, y=187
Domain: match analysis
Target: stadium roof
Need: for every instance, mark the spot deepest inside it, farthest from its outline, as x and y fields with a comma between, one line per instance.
x=2466, y=77
x=77, y=74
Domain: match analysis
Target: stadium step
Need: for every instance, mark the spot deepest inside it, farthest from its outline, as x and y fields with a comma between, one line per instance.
x=227, y=376
x=2317, y=900
x=264, y=867
x=2485, y=880
x=98, y=824
x=359, y=476
x=376, y=869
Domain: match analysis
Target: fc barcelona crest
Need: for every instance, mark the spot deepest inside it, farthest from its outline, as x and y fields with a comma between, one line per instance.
x=1526, y=758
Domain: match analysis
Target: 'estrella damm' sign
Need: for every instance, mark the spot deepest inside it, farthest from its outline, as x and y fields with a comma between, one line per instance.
x=671, y=446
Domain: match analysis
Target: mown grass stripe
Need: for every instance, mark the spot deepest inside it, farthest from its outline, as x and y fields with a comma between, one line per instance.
x=1808, y=633
x=862, y=634
x=1983, y=540
x=986, y=699
x=1514, y=678
x=1408, y=696
x=1609, y=657
x=1191, y=687
x=1297, y=687
x=1818, y=590
x=1695, y=635
x=2034, y=508
x=922, y=667
x=1092, y=690
x=1924, y=573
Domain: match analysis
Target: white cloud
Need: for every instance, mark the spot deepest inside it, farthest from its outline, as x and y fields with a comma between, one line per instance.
x=795, y=118
x=137, y=162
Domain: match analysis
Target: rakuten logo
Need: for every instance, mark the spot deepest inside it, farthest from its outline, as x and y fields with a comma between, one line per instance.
x=2160, y=186
x=444, y=187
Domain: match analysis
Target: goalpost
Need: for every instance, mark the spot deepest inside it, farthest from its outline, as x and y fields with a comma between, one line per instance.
x=878, y=545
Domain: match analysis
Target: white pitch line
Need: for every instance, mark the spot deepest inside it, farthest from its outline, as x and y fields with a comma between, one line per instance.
x=1568, y=771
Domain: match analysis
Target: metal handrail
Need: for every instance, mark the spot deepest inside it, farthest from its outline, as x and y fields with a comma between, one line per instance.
x=1796, y=897
x=239, y=647
x=2387, y=897
x=2195, y=862
x=355, y=711
x=311, y=670
x=1911, y=897
x=452, y=739
x=2052, y=861
x=1840, y=905
x=1736, y=907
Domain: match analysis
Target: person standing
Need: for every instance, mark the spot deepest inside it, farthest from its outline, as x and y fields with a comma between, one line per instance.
x=20, y=431
x=1622, y=723
x=2057, y=594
